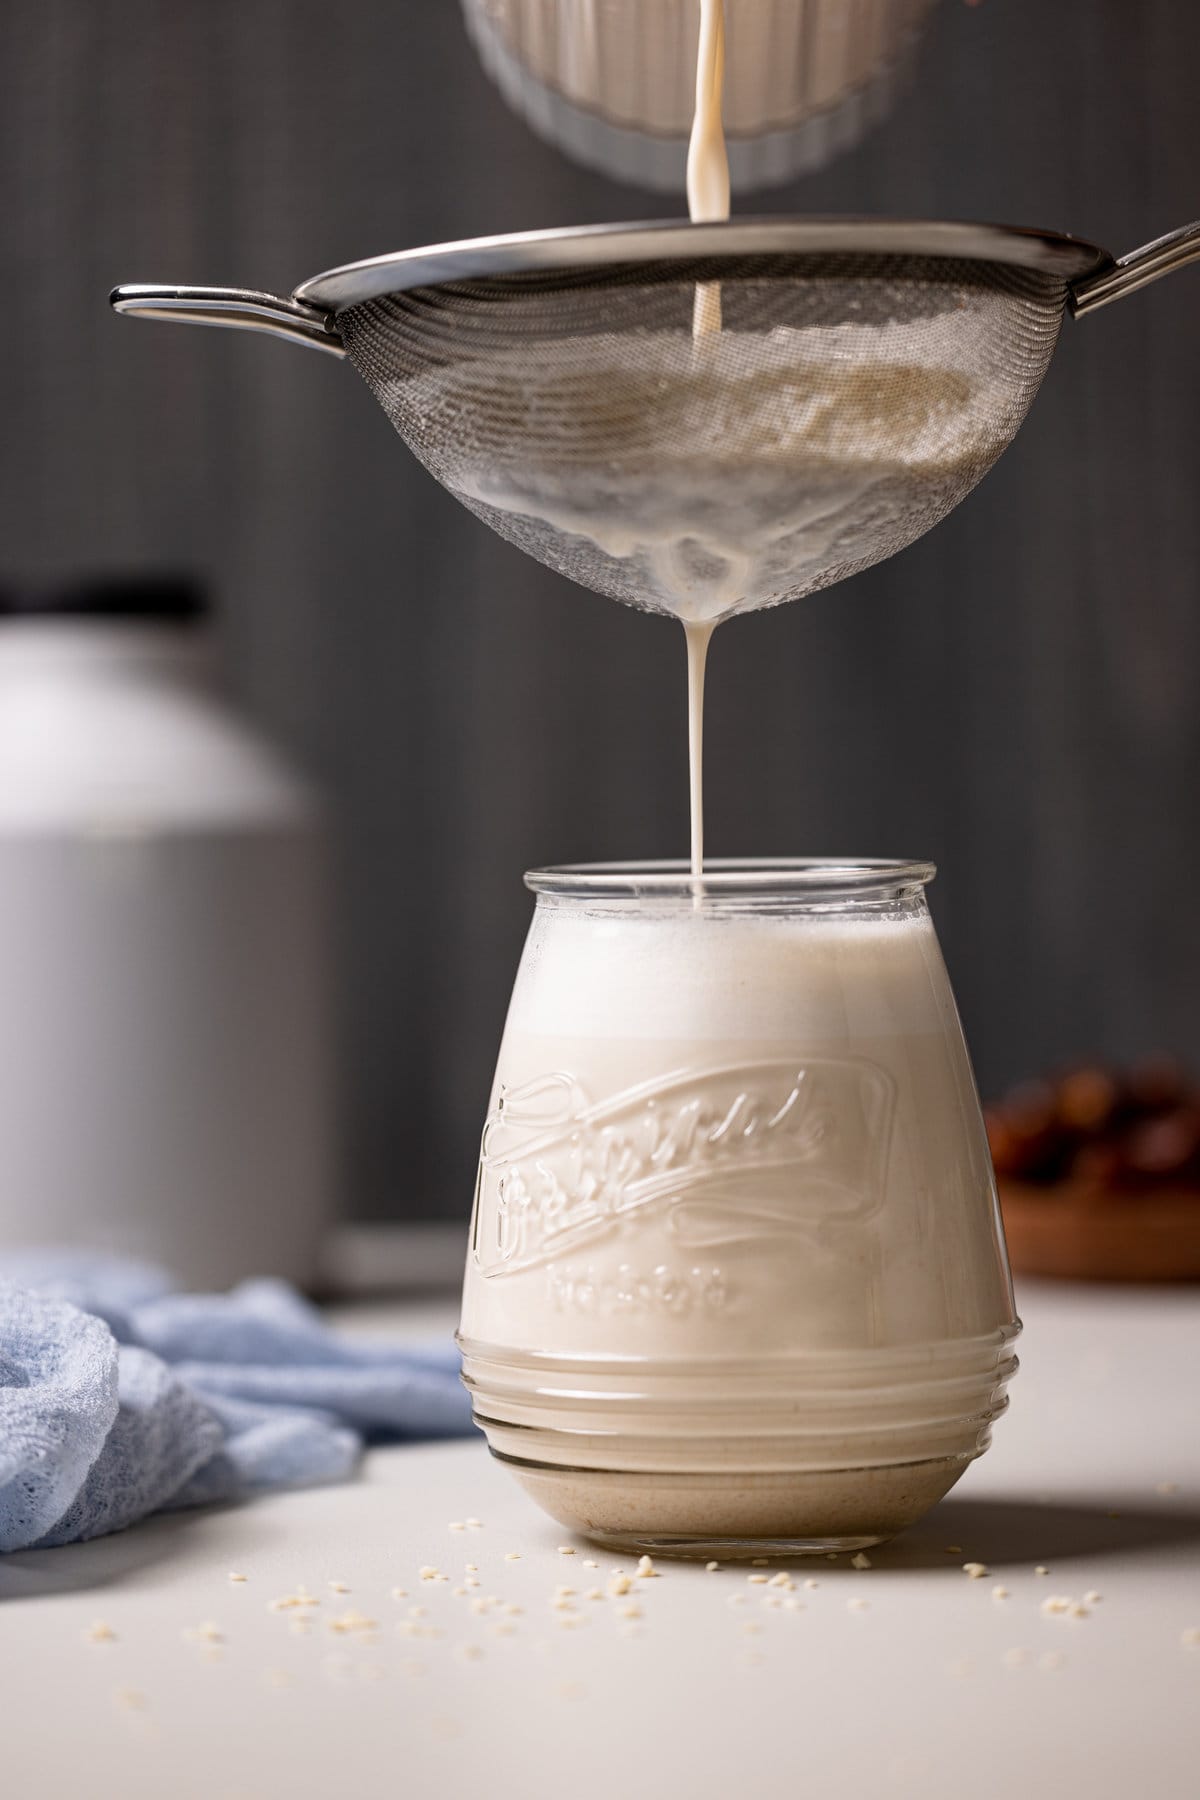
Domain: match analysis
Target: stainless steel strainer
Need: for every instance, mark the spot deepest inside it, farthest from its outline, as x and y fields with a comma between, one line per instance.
x=867, y=373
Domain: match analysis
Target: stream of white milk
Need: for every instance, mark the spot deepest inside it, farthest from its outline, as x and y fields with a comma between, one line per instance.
x=708, y=199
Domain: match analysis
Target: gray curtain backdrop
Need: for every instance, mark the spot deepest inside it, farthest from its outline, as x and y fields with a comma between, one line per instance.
x=1016, y=696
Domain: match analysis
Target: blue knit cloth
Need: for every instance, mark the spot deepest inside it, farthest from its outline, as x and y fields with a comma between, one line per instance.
x=119, y=1397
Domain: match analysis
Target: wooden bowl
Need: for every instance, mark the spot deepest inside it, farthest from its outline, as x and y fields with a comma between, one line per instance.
x=1077, y=1230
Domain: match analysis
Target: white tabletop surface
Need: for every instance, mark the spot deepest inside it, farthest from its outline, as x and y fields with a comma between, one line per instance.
x=935, y=1687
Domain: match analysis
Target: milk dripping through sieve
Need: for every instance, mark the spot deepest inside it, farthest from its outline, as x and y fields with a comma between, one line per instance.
x=868, y=373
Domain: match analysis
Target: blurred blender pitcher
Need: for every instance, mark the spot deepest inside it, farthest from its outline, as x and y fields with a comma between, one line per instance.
x=164, y=1034
x=613, y=82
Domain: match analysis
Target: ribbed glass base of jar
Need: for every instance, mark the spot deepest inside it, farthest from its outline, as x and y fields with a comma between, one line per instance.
x=791, y=1454
x=776, y=1513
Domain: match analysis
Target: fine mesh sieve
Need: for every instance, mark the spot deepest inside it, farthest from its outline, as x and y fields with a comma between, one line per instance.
x=866, y=374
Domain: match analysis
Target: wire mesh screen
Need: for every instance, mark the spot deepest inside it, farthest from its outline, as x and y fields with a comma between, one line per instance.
x=711, y=437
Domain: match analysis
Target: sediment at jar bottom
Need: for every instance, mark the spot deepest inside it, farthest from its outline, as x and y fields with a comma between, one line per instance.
x=740, y=1515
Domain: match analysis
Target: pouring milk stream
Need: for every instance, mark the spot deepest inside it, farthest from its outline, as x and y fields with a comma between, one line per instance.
x=708, y=198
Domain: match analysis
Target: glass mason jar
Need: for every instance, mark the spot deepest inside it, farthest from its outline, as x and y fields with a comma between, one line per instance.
x=737, y=1279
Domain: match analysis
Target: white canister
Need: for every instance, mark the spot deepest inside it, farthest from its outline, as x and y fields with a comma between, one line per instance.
x=164, y=1032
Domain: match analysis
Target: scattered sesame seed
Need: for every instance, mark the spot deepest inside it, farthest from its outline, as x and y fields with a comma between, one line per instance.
x=471, y=1568
x=784, y=1580
x=757, y=1580
x=999, y=1593
x=287, y=1602
x=831, y=1556
x=1051, y=1659
x=954, y=1549
x=1190, y=1637
x=339, y=1587
x=353, y=1620
x=590, y=1563
x=1077, y=1610
x=1056, y=1603
x=793, y=1606
x=976, y=1571
x=751, y=1626
x=860, y=1561
x=235, y=1576
x=760, y=1562
x=427, y=1571
x=1015, y=1659
x=399, y=1593
x=594, y=1594
x=630, y=1611
x=619, y=1583
x=100, y=1633
x=735, y=1599
x=810, y=1583
x=1092, y=1597
x=856, y=1605
x=512, y=1556
x=418, y=1612
x=646, y=1570
x=470, y=1652
x=512, y=1609
x=479, y=1604
x=562, y=1591
x=457, y=1525
x=474, y=1524
x=210, y=1633
x=710, y=1566
x=503, y=1629
x=566, y=1549
x=459, y=1592
x=1041, y=1569
x=472, y=1581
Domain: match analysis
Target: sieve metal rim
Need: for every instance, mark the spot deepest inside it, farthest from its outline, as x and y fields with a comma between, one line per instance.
x=674, y=240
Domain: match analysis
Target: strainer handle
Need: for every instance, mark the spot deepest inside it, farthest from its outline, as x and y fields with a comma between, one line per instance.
x=1134, y=271
x=241, y=309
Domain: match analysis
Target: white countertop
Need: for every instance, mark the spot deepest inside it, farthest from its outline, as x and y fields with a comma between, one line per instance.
x=934, y=1688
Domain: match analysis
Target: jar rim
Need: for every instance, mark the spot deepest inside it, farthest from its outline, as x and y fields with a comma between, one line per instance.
x=811, y=876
